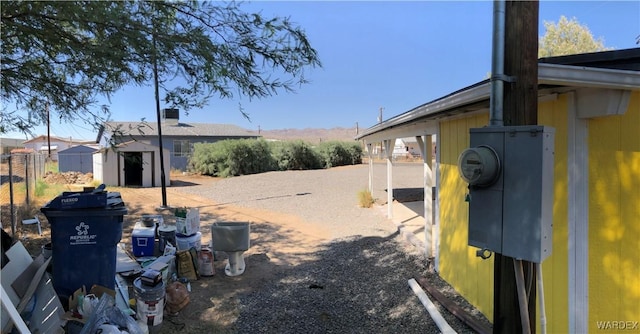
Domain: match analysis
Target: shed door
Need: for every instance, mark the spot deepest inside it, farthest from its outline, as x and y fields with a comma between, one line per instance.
x=147, y=173
x=133, y=169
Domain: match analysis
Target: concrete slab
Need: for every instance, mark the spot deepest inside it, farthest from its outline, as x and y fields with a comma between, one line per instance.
x=408, y=217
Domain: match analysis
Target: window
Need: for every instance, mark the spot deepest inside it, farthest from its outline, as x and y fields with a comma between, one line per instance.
x=181, y=148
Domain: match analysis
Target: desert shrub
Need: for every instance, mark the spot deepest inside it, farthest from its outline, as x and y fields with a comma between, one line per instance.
x=336, y=153
x=41, y=187
x=365, y=199
x=232, y=157
x=295, y=155
x=355, y=152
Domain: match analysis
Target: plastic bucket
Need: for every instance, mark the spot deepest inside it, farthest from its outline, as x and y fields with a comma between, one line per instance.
x=166, y=234
x=47, y=250
x=149, y=303
x=205, y=262
x=186, y=242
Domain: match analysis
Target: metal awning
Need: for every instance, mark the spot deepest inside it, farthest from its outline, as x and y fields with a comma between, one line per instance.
x=421, y=120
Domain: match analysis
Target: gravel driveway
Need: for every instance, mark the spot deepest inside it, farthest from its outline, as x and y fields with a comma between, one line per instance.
x=326, y=196
x=358, y=284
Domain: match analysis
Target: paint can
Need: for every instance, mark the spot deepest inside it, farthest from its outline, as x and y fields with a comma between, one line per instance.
x=205, y=262
x=166, y=234
x=149, y=304
x=187, y=242
x=46, y=250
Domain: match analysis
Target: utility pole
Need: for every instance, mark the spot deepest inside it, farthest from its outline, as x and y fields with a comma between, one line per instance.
x=159, y=119
x=520, y=108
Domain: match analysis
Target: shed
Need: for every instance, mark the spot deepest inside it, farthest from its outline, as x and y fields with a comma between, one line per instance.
x=76, y=159
x=178, y=137
x=130, y=164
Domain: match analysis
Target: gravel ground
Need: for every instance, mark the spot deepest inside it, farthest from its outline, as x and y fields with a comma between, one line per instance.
x=358, y=284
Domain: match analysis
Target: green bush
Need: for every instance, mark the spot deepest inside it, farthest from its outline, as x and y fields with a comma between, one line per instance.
x=336, y=153
x=41, y=187
x=232, y=157
x=295, y=155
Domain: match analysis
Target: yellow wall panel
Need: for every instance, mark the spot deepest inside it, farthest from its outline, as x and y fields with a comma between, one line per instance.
x=614, y=217
x=471, y=276
x=555, y=268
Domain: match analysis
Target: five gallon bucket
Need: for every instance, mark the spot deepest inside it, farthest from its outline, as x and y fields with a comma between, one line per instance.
x=186, y=242
x=149, y=303
x=166, y=234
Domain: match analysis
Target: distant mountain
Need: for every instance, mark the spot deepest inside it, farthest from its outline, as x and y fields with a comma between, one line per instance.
x=311, y=135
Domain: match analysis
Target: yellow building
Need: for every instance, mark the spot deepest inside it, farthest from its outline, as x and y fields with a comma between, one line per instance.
x=592, y=277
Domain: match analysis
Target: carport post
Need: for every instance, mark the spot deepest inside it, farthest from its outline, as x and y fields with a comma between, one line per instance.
x=388, y=147
x=424, y=142
x=370, y=168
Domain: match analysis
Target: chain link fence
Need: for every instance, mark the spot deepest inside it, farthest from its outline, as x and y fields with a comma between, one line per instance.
x=19, y=173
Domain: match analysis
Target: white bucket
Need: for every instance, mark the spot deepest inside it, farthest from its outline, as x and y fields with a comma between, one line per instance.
x=186, y=242
x=149, y=303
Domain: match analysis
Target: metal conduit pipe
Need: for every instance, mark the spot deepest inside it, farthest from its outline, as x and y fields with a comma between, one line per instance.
x=496, y=101
x=543, y=316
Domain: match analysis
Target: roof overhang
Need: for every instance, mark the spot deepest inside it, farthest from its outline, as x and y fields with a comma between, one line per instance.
x=423, y=119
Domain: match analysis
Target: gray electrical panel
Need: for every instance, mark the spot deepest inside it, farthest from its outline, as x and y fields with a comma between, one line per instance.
x=510, y=175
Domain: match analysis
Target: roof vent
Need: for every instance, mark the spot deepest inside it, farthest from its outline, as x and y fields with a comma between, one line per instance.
x=170, y=116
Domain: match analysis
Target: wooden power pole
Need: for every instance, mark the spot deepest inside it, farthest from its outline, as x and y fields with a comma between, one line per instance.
x=520, y=108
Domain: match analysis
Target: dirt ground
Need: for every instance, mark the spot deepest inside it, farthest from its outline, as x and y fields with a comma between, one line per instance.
x=278, y=242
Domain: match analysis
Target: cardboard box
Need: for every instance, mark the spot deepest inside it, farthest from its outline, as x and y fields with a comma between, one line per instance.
x=96, y=290
x=165, y=265
x=190, y=224
x=143, y=240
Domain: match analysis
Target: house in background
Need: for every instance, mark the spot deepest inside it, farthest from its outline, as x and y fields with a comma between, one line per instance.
x=8, y=144
x=178, y=138
x=593, y=272
x=406, y=148
x=77, y=159
x=40, y=144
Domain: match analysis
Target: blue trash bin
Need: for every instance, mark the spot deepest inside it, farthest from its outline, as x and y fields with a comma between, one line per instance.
x=84, y=240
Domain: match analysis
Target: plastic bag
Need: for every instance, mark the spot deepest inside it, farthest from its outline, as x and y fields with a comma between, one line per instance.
x=108, y=316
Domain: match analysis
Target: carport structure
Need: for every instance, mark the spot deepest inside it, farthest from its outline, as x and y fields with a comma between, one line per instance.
x=593, y=102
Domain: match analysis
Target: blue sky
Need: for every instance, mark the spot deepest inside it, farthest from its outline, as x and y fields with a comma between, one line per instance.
x=395, y=55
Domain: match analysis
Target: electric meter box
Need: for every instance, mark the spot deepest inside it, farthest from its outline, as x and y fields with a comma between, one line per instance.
x=510, y=175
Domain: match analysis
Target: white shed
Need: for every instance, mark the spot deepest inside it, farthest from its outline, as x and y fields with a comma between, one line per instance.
x=131, y=164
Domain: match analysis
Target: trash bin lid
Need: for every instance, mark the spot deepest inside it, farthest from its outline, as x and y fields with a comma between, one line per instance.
x=85, y=202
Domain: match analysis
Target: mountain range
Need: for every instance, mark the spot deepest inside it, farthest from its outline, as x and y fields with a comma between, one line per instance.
x=311, y=135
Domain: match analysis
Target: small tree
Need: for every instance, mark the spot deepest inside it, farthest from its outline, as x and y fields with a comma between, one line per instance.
x=568, y=37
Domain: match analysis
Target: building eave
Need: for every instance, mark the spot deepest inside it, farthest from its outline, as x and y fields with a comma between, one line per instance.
x=475, y=97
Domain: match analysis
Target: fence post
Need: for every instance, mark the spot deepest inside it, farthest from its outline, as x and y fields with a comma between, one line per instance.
x=13, y=213
x=26, y=177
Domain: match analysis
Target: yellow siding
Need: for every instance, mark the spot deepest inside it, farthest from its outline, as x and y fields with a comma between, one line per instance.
x=471, y=276
x=614, y=217
x=555, y=268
